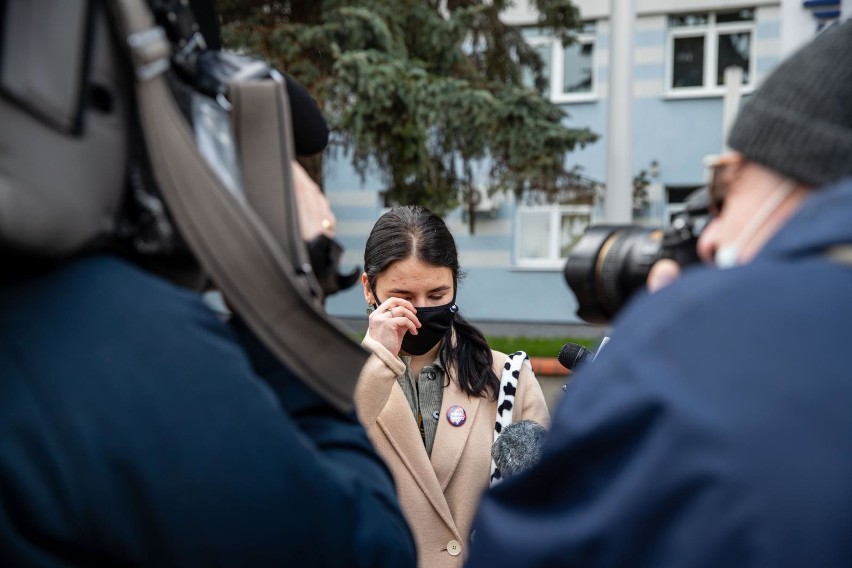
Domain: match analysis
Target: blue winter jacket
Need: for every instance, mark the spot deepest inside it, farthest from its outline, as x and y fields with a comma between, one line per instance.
x=136, y=429
x=715, y=429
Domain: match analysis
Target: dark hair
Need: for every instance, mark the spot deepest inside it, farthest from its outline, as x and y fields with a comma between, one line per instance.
x=414, y=231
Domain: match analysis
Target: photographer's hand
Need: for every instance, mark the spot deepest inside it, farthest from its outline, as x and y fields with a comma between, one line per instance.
x=662, y=273
x=390, y=322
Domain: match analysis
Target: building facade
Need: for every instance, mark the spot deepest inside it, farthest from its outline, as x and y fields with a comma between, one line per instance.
x=681, y=49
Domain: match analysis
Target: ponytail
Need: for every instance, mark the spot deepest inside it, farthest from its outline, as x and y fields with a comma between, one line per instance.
x=470, y=357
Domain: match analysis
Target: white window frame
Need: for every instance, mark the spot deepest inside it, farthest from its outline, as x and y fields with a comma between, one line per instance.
x=553, y=261
x=711, y=32
x=557, y=59
x=556, y=71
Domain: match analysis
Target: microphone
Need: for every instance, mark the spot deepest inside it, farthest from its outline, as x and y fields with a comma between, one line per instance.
x=518, y=448
x=573, y=356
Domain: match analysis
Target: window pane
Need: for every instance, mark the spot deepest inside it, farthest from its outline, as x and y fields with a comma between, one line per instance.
x=746, y=15
x=544, y=51
x=683, y=20
x=734, y=50
x=577, y=68
x=688, y=62
x=534, y=235
x=573, y=225
x=679, y=193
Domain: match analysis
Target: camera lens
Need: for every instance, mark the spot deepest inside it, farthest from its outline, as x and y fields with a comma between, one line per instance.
x=608, y=265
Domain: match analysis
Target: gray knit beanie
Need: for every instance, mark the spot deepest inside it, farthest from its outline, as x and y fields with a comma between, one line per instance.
x=799, y=122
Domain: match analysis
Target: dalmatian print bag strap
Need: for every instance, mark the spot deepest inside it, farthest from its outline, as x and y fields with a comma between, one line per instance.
x=506, y=400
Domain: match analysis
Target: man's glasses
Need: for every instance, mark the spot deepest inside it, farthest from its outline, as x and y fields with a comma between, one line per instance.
x=717, y=188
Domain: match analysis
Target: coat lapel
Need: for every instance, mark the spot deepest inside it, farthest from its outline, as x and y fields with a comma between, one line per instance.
x=450, y=440
x=397, y=422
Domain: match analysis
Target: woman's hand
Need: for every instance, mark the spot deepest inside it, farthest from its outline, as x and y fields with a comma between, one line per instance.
x=391, y=321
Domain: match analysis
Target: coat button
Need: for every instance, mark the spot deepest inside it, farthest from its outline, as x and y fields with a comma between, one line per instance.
x=436, y=415
x=454, y=548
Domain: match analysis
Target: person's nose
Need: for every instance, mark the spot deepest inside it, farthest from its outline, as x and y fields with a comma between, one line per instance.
x=708, y=242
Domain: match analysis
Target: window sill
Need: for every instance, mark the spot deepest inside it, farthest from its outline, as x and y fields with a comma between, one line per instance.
x=702, y=93
x=570, y=99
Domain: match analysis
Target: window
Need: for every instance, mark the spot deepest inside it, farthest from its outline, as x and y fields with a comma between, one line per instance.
x=569, y=70
x=676, y=196
x=578, y=68
x=546, y=234
x=702, y=46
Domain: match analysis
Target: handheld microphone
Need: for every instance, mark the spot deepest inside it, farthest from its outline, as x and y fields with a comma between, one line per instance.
x=604, y=341
x=573, y=356
x=518, y=448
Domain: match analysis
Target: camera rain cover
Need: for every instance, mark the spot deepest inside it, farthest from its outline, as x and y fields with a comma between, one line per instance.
x=63, y=141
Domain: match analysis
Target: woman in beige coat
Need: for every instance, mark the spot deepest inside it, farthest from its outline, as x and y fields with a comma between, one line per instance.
x=428, y=394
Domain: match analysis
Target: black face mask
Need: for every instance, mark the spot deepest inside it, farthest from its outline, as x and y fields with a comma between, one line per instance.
x=434, y=323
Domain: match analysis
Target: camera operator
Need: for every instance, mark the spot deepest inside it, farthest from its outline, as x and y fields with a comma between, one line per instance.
x=137, y=428
x=714, y=430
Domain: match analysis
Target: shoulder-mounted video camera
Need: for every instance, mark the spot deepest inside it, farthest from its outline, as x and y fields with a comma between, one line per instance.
x=109, y=103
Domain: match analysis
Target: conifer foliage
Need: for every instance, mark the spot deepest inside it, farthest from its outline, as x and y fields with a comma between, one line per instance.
x=427, y=92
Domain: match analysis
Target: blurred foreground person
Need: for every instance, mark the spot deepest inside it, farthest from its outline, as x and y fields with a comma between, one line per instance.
x=714, y=429
x=136, y=428
x=430, y=396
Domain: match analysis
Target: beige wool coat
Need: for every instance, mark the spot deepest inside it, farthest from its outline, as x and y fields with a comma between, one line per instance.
x=439, y=496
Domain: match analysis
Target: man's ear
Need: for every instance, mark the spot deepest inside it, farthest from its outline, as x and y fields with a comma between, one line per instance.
x=368, y=295
x=736, y=165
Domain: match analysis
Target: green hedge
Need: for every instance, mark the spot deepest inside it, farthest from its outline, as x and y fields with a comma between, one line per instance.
x=537, y=346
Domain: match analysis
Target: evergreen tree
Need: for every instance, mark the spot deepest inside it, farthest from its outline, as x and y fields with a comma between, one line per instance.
x=422, y=90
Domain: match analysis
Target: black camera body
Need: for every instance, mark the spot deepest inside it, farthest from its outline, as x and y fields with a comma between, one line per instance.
x=611, y=262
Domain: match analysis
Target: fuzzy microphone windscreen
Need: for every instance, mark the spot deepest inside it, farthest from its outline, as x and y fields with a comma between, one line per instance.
x=518, y=448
